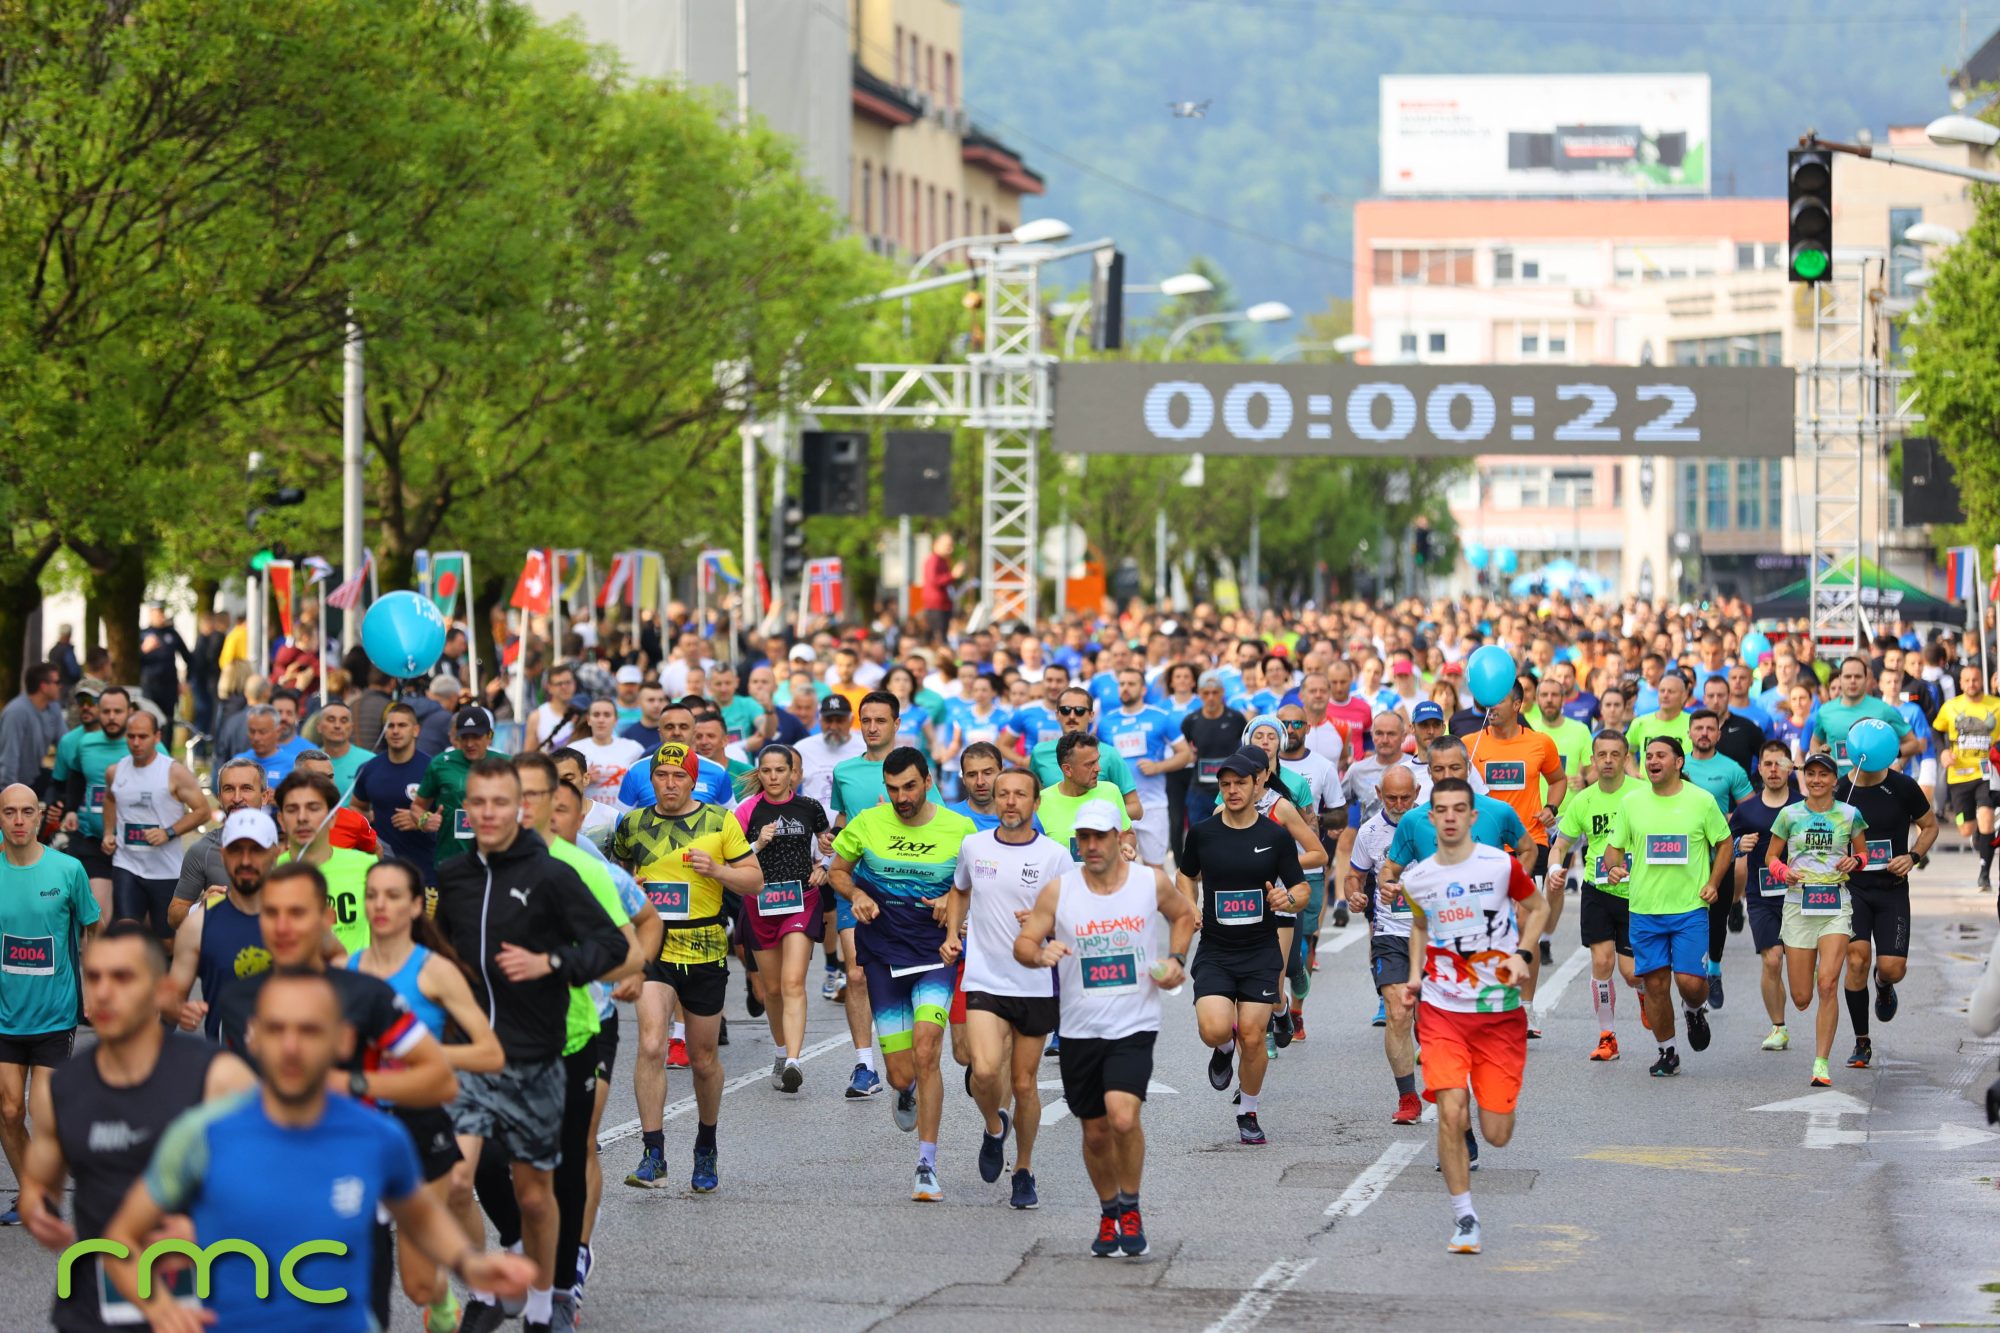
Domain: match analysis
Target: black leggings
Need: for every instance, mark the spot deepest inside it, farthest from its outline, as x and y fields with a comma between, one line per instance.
x=495, y=1181
x=1718, y=919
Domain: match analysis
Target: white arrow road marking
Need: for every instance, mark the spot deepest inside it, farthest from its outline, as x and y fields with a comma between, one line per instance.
x=1823, y=1111
x=675, y=1110
x=1055, y=1108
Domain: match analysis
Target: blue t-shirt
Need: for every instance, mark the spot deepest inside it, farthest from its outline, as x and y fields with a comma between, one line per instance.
x=1146, y=734
x=1103, y=687
x=712, y=786
x=1754, y=714
x=969, y=726
x=1033, y=722
x=1494, y=823
x=239, y=1176
x=1583, y=708
x=386, y=787
x=279, y=766
x=43, y=908
x=649, y=737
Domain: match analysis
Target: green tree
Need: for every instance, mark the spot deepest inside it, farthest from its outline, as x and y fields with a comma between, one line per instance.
x=1956, y=368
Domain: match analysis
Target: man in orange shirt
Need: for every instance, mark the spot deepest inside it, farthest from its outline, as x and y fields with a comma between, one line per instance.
x=1522, y=768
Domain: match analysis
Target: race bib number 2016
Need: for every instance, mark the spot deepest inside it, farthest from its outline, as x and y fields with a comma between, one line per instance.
x=1237, y=907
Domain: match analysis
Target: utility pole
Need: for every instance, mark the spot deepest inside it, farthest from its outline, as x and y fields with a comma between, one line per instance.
x=353, y=459
x=749, y=430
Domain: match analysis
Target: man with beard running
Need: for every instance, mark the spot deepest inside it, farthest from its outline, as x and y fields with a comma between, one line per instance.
x=1010, y=1009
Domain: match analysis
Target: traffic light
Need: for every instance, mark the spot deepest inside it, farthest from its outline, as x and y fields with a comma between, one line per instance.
x=1809, y=193
x=265, y=492
x=1107, y=301
x=791, y=543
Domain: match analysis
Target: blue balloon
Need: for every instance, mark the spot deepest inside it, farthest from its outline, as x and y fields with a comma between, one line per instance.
x=1477, y=556
x=1507, y=559
x=1872, y=744
x=1755, y=645
x=403, y=634
x=1490, y=673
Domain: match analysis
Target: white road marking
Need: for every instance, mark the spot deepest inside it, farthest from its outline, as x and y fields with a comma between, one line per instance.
x=1371, y=1184
x=1056, y=1108
x=1823, y=1111
x=1355, y=931
x=1255, y=1303
x=677, y=1109
x=1550, y=993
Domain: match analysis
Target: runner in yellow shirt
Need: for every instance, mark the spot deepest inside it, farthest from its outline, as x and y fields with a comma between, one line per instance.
x=1965, y=726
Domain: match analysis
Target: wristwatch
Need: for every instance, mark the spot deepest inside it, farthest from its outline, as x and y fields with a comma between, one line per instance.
x=357, y=1083
x=1922, y=860
x=555, y=961
x=1180, y=958
x=1525, y=956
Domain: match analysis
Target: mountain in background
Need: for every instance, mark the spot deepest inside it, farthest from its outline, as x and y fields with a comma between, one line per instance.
x=1265, y=183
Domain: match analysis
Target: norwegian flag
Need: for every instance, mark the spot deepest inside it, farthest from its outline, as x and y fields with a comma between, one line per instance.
x=349, y=592
x=617, y=588
x=531, y=590
x=826, y=587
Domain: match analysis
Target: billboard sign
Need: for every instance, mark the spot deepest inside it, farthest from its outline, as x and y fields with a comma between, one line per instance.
x=1349, y=411
x=1558, y=134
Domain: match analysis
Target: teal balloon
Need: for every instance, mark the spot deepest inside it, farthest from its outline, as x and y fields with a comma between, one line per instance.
x=1490, y=673
x=403, y=634
x=1755, y=645
x=1477, y=556
x=1507, y=559
x=1872, y=744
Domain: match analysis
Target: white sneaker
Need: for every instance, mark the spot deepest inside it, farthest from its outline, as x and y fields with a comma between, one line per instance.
x=778, y=1071
x=925, y=1187
x=1779, y=1040
x=1464, y=1238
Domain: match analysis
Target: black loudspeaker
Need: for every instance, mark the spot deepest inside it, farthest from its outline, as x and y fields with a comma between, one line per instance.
x=836, y=480
x=1930, y=490
x=916, y=474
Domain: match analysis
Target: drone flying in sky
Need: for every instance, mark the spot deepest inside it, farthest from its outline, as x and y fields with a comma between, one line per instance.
x=1190, y=110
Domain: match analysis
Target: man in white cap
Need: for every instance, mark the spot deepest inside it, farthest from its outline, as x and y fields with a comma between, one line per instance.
x=629, y=679
x=221, y=942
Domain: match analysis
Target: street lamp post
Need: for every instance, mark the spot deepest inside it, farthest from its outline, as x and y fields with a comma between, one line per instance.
x=1347, y=344
x=1264, y=312
x=1181, y=284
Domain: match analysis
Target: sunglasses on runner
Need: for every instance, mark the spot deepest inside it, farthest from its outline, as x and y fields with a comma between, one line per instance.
x=1074, y=712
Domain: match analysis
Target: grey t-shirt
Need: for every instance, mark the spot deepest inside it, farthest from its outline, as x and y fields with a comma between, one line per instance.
x=201, y=867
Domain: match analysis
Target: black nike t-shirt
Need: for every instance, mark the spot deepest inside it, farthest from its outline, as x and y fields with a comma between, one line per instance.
x=1235, y=867
x=1753, y=816
x=1891, y=807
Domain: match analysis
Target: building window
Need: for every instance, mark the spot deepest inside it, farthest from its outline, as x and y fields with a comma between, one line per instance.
x=1558, y=345
x=1746, y=254
x=1717, y=507
x=1435, y=268
x=1531, y=270
x=950, y=81
x=1437, y=342
x=1531, y=344
x=1503, y=266
x=867, y=198
x=949, y=209
x=931, y=217
x=918, y=243
x=916, y=65
x=1690, y=497
x=968, y=219
x=1407, y=344
x=1742, y=349
x=896, y=227
x=930, y=70
x=1749, y=496
x=1774, y=492
x=901, y=82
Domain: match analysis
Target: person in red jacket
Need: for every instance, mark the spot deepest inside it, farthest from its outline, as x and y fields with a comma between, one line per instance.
x=940, y=573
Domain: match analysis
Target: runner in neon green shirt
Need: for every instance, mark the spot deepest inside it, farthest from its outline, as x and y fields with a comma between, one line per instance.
x=1572, y=738
x=1587, y=818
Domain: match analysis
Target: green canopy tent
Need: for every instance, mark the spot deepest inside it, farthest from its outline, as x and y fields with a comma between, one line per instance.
x=1883, y=596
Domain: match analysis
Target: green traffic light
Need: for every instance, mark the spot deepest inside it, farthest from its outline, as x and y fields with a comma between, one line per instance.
x=1810, y=264
x=262, y=560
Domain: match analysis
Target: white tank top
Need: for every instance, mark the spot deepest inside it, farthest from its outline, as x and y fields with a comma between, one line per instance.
x=1106, y=987
x=146, y=800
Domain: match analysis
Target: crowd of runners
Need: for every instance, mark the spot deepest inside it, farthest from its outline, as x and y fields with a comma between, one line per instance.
x=357, y=985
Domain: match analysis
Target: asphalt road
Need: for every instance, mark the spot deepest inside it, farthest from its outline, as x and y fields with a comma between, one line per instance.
x=1734, y=1196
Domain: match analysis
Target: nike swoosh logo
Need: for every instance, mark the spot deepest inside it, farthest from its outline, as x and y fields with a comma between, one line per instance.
x=1255, y=850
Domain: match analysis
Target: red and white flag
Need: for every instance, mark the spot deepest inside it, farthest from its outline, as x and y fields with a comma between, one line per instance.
x=279, y=572
x=349, y=592
x=617, y=588
x=531, y=591
x=826, y=587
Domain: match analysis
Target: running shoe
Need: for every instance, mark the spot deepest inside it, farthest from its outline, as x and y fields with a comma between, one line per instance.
x=778, y=1071
x=904, y=1108
x=1714, y=992
x=481, y=1317
x=1607, y=1046
x=1281, y=1026
x=1986, y=879
x=864, y=1082
x=1821, y=1077
x=704, y=1179
x=1548, y=955
x=12, y=1217
x=1381, y=1019
x=1298, y=1025
x=1736, y=917
x=1024, y=1191
x=1409, y=1109
x=1221, y=1068
x=835, y=983
x=1054, y=1048
x=1698, y=1034
x=968, y=1080
x=993, y=1150
x=1312, y=954
x=791, y=1077
x=1667, y=1065
x=647, y=1175
x=582, y=1271
x=562, y=1312
x=1779, y=1040
x=1131, y=1234
x=677, y=1053
x=722, y=1032
x=1464, y=1238
x=1885, y=1000
x=1248, y=1130
x=1106, y=1243
x=1534, y=1029
x=1340, y=915
x=1471, y=1154
x=924, y=1187
x=1864, y=1054
x=752, y=1003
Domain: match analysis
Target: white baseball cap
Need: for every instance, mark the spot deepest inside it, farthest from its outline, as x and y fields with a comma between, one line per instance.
x=631, y=675
x=252, y=826
x=1096, y=817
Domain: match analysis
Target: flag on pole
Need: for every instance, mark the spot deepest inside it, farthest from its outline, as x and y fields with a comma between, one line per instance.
x=718, y=566
x=652, y=574
x=447, y=581
x=1961, y=573
x=573, y=576
x=826, y=588
x=531, y=590
x=317, y=569
x=349, y=592
x=763, y=589
x=279, y=572
x=618, y=587
x=1993, y=589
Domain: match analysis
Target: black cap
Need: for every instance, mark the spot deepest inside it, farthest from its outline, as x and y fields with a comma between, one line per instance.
x=472, y=720
x=1248, y=761
x=835, y=705
x=1680, y=751
x=1821, y=758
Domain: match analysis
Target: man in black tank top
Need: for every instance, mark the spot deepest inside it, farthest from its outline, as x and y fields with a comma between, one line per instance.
x=219, y=942
x=102, y=1113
